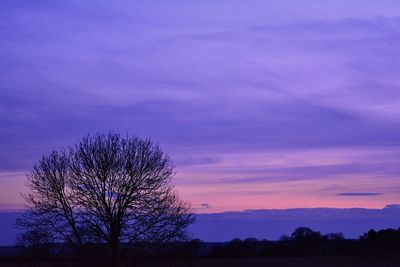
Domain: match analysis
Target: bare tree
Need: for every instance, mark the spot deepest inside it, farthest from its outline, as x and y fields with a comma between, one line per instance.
x=108, y=190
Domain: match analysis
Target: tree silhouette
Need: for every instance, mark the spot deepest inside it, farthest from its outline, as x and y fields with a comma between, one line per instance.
x=305, y=234
x=108, y=190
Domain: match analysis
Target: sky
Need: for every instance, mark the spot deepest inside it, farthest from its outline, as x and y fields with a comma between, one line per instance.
x=261, y=104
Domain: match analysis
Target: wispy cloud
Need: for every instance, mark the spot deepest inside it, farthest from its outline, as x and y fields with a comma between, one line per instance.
x=205, y=205
x=358, y=194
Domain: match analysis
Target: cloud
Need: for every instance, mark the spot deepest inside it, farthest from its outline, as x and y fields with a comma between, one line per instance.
x=392, y=206
x=248, y=174
x=205, y=205
x=356, y=194
x=271, y=224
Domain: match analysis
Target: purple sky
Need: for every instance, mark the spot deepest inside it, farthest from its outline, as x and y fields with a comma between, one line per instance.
x=261, y=104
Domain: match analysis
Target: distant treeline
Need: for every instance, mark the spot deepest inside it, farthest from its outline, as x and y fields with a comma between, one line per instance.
x=303, y=242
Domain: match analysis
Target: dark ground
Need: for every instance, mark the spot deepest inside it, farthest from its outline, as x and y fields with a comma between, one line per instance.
x=249, y=262
x=300, y=262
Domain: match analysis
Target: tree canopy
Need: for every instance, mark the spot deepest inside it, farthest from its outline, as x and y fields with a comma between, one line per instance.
x=108, y=190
